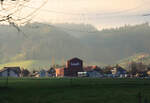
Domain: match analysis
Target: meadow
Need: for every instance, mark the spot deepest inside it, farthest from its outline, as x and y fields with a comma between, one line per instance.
x=28, y=64
x=74, y=90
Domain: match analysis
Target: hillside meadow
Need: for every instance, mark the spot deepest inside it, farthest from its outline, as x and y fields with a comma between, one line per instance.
x=73, y=90
x=28, y=64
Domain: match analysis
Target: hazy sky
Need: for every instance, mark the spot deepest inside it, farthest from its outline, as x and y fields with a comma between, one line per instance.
x=101, y=13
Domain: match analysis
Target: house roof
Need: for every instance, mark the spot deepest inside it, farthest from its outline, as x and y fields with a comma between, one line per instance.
x=120, y=69
x=34, y=74
x=75, y=58
x=88, y=68
x=15, y=69
x=92, y=68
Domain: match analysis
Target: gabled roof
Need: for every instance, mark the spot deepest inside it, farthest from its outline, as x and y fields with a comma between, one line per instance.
x=75, y=58
x=15, y=69
x=120, y=69
x=34, y=74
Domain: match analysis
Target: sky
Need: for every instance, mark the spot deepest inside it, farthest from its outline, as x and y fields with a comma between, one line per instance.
x=100, y=13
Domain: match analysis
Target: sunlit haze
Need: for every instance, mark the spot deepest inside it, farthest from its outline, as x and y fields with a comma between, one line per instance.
x=101, y=13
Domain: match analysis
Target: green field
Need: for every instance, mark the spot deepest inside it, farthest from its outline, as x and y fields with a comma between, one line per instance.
x=75, y=90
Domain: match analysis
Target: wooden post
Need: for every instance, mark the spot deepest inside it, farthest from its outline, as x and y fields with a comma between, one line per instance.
x=139, y=97
x=70, y=81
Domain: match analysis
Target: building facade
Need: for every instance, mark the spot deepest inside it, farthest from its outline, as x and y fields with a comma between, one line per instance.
x=73, y=66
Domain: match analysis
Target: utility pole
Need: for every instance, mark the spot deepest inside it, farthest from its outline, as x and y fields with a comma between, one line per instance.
x=7, y=77
x=145, y=100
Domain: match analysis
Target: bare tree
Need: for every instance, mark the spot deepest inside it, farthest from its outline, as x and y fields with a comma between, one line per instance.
x=12, y=12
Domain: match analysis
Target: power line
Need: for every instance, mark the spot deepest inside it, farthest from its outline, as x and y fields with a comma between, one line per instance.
x=17, y=8
x=29, y=17
x=96, y=14
x=9, y=15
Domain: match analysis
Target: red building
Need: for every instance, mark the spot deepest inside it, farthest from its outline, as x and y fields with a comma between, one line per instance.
x=73, y=66
x=59, y=72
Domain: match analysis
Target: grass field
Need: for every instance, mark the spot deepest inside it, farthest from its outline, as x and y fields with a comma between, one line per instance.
x=73, y=90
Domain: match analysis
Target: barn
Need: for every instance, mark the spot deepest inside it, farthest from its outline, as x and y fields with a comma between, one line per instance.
x=73, y=66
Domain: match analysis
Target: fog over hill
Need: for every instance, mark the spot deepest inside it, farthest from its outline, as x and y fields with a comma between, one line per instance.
x=64, y=41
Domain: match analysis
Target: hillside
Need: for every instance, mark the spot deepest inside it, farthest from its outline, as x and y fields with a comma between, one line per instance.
x=42, y=42
x=140, y=57
x=116, y=44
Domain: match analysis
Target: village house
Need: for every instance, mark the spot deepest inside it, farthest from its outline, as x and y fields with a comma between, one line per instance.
x=42, y=73
x=82, y=74
x=94, y=74
x=51, y=72
x=148, y=71
x=25, y=72
x=119, y=72
x=60, y=72
x=89, y=68
x=142, y=74
x=35, y=74
x=91, y=71
x=10, y=72
x=108, y=71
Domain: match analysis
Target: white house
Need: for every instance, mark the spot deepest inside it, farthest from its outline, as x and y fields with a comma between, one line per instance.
x=35, y=74
x=43, y=73
x=10, y=72
x=119, y=72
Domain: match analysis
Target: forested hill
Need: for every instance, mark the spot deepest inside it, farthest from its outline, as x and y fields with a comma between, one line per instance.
x=64, y=41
